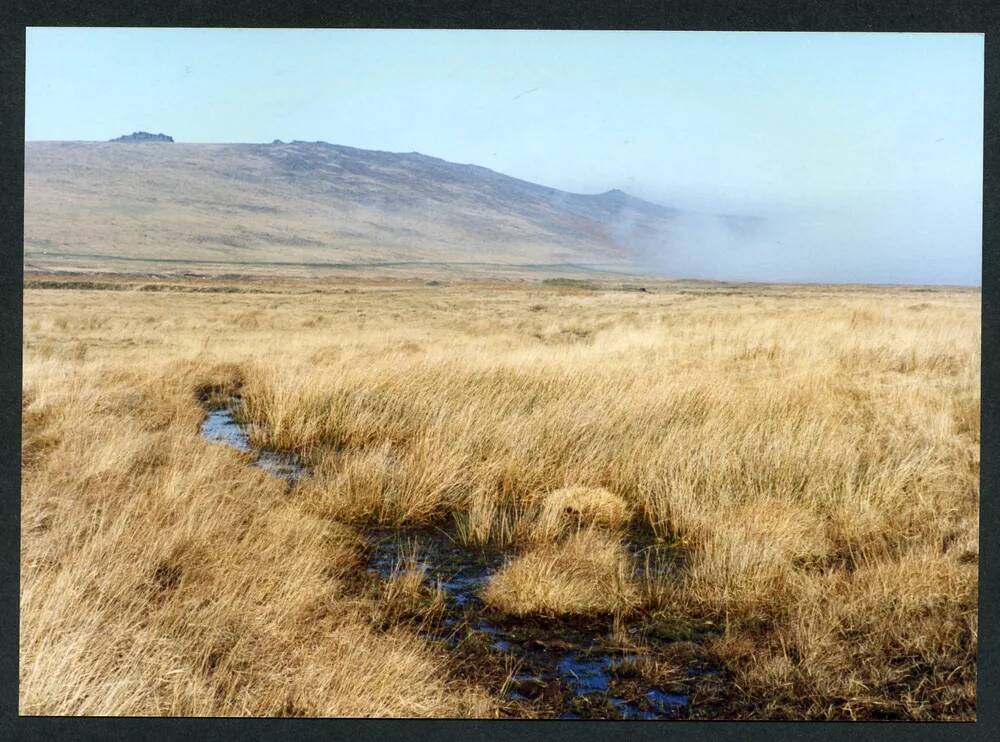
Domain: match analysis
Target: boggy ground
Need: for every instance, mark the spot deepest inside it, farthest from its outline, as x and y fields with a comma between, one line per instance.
x=762, y=499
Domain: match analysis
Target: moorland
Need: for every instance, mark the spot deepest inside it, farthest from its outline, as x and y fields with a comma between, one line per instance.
x=755, y=501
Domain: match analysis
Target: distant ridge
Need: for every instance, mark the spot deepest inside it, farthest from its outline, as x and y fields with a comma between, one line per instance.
x=142, y=136
x=319, y=204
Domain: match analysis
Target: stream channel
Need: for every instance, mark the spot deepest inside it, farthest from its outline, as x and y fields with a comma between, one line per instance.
x=561, y=668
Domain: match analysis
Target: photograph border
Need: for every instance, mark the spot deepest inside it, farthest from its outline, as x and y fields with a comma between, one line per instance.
x=887, y=16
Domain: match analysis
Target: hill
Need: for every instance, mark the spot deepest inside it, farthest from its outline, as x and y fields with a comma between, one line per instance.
x=157, y=203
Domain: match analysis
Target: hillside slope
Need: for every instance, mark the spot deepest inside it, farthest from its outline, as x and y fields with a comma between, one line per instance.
x=314, y=203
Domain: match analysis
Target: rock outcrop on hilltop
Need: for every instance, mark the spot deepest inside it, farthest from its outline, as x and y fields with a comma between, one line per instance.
x=142, y=136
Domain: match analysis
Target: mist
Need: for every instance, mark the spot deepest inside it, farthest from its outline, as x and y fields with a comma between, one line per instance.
x=900, y=243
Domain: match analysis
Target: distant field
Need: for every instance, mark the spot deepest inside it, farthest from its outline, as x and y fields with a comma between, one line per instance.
x=802, y=462
x=73, y=264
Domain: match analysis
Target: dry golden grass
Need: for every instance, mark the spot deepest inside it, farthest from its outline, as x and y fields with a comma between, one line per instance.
x=586, y=573
x=811, y=453
x=572, y=507
x=407, y=595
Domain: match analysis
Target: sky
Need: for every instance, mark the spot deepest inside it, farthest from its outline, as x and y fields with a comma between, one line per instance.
x=861, y=153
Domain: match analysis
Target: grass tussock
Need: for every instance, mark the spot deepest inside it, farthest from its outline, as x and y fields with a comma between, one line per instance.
x=809, y=455
x=408, y=596
x=571, y=508
x=587, y=573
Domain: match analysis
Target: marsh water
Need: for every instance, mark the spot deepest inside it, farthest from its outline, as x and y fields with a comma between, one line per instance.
x=557, y=668
x=571, y=666
x=223, y=426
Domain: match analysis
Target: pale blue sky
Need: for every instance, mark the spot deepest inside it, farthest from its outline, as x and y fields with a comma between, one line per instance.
x=865, y=150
